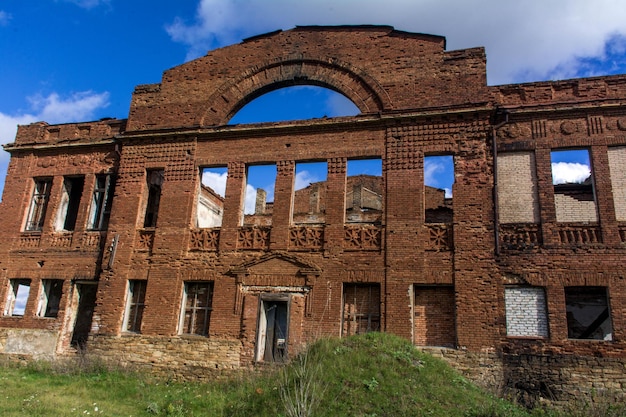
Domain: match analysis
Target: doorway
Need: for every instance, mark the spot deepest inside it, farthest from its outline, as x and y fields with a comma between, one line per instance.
x=84, y=313
x=272, y=335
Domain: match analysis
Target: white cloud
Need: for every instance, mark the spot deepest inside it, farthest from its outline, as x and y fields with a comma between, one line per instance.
x=304, y=179
x=525, y=40
x=569, y=172
x=53, y=109
x=215, y=180
x=4, y=18
x=431, y=169
x=249, y=205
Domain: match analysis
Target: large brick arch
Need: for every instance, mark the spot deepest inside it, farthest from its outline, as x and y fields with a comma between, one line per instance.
x=342, y=77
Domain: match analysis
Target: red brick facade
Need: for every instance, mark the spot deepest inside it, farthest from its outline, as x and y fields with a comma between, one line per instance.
x=263, y=290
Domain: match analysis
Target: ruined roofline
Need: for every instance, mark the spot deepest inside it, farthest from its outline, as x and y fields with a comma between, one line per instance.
x=391, y=31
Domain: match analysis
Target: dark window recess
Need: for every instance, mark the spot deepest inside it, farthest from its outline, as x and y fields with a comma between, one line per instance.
x=361, y=308
x=101, y=202
x=197, y=308
x=51, y=297
x=38, y=205
x=135, y=306
x=155, y=181
x=70, y=202
x=588, y=313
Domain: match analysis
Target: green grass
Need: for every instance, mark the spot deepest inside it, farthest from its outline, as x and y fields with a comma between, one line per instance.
x=374, y=375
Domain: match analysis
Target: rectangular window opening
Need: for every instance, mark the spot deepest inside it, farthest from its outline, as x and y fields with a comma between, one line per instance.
x=588, y=313
x=361, y=308
x=364, y=191
x=38, y=205
x=50, y=299
x=69, y=204
x=135, y=304
x=574, y=195
x=197, y=306
x=259, y=197
x=154, y=179
x=101, y=202
x=18, y=297
x=309, y=202
x=438, y=183
x=210, y=204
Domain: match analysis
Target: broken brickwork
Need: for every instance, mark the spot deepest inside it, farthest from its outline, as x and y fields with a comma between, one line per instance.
x=105, y=215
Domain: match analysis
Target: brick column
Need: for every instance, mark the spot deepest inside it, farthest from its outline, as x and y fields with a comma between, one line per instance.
x=283, y=205
x=604, y=195
x=335, y=204
x=545, y=190
x=233, y=205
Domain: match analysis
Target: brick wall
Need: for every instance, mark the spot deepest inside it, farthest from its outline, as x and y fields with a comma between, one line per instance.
x=617, y=167
x=517, y=188
x=526, y=312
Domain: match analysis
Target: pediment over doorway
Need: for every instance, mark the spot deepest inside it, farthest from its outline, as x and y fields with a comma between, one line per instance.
x=277, y=263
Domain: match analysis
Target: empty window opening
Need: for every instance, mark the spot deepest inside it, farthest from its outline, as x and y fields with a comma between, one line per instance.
x=572, y=178
x=135, y=303
x=259, y=199
x=361, y=309
x=18, y=297
x=38, y=205
x=210, y=207
x=69, y=204
x=526, y=312
x=154, y=178
x=588, y=313
x=364, y=191
x=438, y=182
x=272, y=331
x=295, y=103
x=197, y=306
x=309, y=203
x=50, y=299
x=101, y=202
x=86, y=301
x=434, y=316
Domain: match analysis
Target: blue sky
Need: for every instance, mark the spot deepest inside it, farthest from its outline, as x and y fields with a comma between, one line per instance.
x=78, y=60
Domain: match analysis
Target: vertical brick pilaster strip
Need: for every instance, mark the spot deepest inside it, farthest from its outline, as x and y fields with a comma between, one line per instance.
x=546, y=196
x=335, y=204
x=283, y=198
x=233, y=205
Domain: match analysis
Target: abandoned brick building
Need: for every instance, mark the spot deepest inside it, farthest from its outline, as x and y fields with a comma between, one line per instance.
x=111, y=242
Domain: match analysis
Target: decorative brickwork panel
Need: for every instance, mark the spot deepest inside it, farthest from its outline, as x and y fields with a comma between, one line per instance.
x=517, y=188
x=575, y=234
x=617, y=167
x=253, y=238
x=439, y=237
x=525, y=236
x=29, y=240
x=204, y=239
x=177, y=157
x=402, y=152
x=61, y=240
x=92, y=240
x=526, y=314
x=362, y=237
x=145, y=240
x=306, y=238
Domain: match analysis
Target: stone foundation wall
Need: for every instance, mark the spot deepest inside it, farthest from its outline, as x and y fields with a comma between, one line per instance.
x=179, y=358
x=529, y=378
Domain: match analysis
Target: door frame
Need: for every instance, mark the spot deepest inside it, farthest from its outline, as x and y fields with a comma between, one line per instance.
x=261, y=333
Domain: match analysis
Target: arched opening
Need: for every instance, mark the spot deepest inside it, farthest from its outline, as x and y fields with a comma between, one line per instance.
x=300, y=102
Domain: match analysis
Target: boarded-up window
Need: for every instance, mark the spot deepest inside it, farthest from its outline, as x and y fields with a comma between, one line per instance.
x=617, y=167
x=526, y=314
x=518, y=200
x=135, y=304
x=588, y=313
x=434, y=313
x=361, y=308
x=197, y=301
